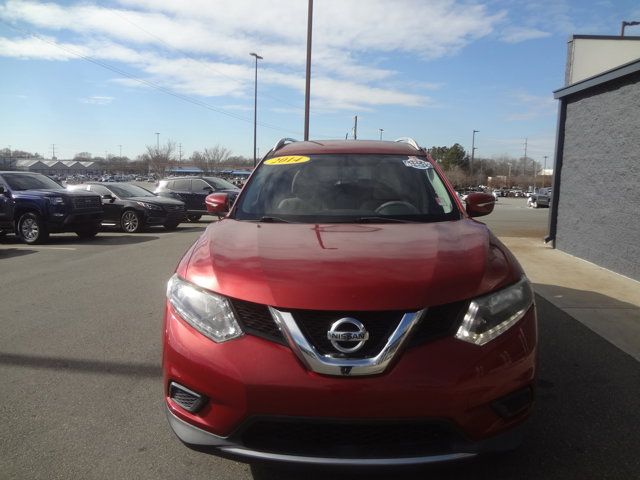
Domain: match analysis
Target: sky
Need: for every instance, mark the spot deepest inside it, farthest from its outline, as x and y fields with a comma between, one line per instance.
x=106, y=76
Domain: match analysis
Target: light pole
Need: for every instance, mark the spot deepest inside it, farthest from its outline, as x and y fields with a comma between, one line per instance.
x=255, y=107
x=381, y=130
x=544, y=172
x=157, y=142
x=307, y=87
x=473, y=150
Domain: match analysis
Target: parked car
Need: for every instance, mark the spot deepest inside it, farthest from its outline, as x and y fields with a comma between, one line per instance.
x=32, y=206
x=133, y=208
x=193, y=191
x=541, y=198
x=349, y=311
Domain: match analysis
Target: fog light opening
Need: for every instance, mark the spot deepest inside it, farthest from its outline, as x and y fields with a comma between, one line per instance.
x=188, y=399
x=514, y=404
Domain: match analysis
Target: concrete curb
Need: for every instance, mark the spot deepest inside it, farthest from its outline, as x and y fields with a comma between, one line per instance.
x=607, y=303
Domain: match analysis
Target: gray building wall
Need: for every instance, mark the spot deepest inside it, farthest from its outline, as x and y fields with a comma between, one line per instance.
x=599, y=203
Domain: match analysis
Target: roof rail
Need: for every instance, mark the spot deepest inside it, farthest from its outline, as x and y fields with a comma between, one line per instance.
x=410, y=141
x=282, y=142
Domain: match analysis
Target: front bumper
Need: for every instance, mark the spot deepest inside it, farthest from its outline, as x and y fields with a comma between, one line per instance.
x=204, y=441
x=445, y=380
x=74, y=221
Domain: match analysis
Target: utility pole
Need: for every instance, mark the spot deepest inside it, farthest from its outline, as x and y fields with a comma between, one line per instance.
x=355, y=127
x=381, y=130
x=10, y=160
x=157, y=142
x=509, y=177
x=544, y=172
x=524, y=162
x=180, y=153
x=255, y=106
x=53, y=148
x=473, y=150
x=307, y=87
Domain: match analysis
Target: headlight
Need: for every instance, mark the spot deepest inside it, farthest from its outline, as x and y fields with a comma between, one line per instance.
x=56, y=200
x=493, y=314
x=149, y=206
x=207, y=312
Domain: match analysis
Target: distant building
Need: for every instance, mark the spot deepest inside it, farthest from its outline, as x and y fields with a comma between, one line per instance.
x=58, y=167
x=595, y=202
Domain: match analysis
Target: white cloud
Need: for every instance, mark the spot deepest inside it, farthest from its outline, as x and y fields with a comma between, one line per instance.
x=521, y=34
x=530, y=107
x=201, y=47
x=97, y=100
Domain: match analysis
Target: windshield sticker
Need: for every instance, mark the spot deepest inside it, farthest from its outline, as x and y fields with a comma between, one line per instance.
x=415, y=162
x=289, y=160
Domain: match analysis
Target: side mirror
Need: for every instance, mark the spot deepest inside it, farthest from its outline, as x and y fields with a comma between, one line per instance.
x=208, y=189
x=109, y=198
x=217, y=203
x=480, y=204
x=1, y=190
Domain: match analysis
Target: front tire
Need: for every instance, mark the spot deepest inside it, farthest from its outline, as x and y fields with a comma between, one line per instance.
x=87, y=233
x=131, y=222
x=31, y=228
x=171, y=225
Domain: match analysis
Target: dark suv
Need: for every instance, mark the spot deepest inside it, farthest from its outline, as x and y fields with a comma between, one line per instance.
x=193, y=191
x=33, y=205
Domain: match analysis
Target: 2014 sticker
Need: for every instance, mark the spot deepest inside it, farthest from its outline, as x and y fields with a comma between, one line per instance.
x=287, y=160
x=415, y=162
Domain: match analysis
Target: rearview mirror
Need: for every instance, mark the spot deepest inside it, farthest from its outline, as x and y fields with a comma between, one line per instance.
x=217, y=203
x=480, y=204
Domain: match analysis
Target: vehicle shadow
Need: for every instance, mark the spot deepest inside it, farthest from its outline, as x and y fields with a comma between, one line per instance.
x=583, y=425
x=73, y=365
x=14, y=252
x=72, y=239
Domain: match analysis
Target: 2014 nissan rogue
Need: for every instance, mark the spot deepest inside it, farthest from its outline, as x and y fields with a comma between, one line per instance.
x=349, y=311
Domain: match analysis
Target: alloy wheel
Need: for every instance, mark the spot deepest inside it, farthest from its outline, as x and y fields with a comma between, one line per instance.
x=29, y=229
x=130, y=221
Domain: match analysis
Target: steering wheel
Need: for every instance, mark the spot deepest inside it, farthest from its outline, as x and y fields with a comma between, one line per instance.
x=397, y=207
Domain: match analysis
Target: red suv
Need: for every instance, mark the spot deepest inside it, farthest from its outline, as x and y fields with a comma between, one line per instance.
x=349, y=311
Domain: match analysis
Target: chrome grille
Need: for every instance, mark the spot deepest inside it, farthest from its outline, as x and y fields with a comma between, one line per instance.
x=174, y=208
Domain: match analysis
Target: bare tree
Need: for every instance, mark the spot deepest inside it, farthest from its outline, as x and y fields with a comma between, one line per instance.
x=159, y=158
x=215, y=156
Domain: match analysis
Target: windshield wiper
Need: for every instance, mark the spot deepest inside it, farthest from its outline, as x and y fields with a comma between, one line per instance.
x=273, y=220
x=382, y=220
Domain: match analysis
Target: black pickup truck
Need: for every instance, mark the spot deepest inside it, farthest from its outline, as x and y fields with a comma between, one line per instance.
x=32, y=206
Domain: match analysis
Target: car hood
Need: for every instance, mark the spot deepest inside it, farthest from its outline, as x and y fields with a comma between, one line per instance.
x=349, y=266
x=157, y=200
x=61, y=192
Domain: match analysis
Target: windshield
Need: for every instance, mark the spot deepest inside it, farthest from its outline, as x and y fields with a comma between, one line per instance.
x=24, y=181
x=126, y=191
x=346, y=188
x=220, y=184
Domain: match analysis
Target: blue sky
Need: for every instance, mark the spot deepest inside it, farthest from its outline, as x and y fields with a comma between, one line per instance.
x=90, y=76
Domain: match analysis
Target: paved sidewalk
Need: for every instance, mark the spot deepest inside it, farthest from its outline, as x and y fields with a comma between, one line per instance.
x=607, y=303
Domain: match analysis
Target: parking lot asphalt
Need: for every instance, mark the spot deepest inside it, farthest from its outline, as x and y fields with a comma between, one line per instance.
x=82, y=395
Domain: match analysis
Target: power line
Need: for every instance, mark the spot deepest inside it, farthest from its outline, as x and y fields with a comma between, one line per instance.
x=148, y=83
x=208, y=66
